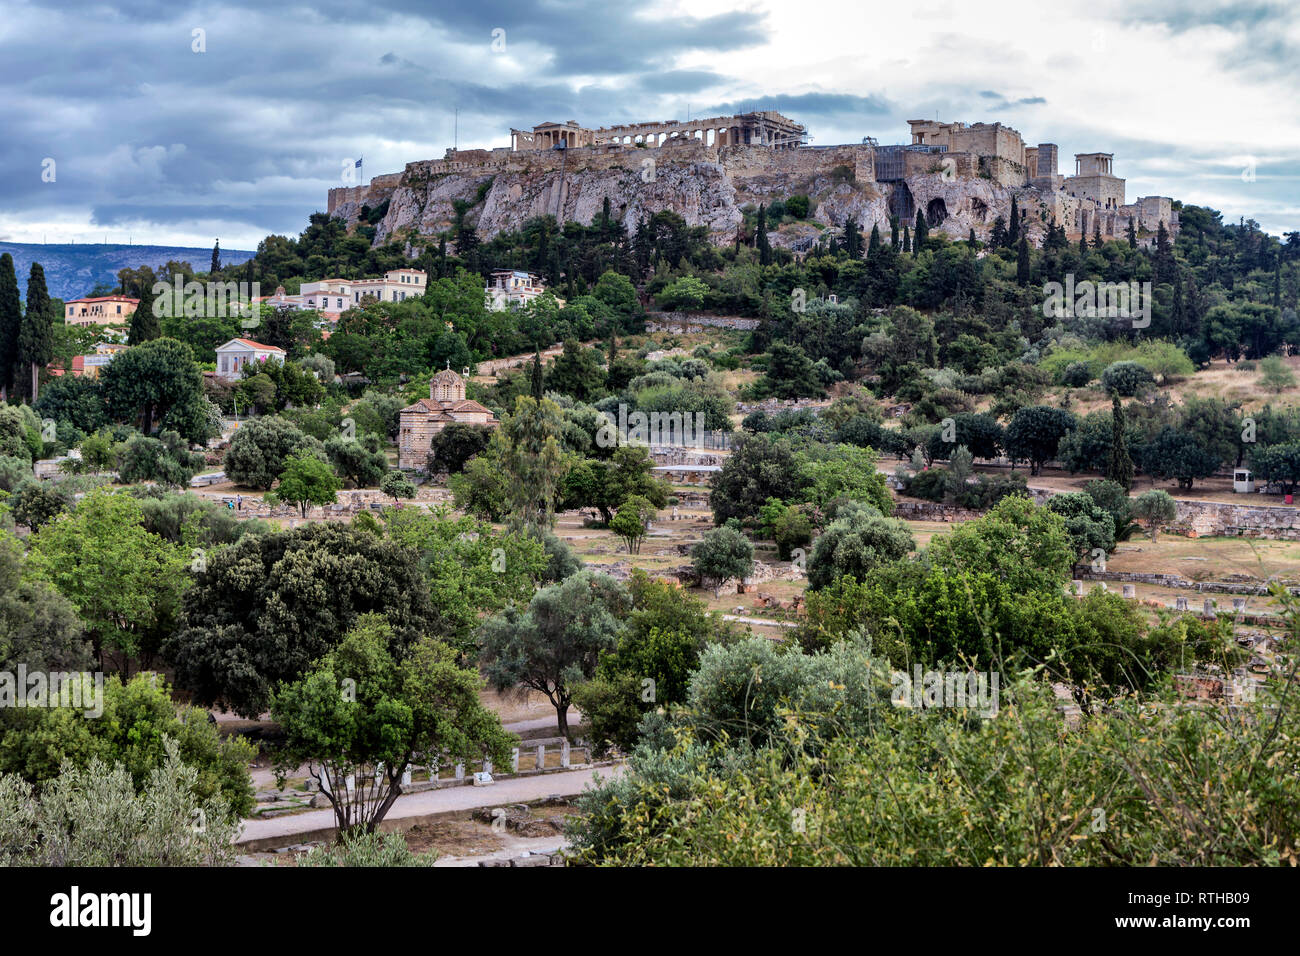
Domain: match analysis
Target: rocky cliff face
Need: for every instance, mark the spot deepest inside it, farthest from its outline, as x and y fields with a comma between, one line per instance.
x=706, y=186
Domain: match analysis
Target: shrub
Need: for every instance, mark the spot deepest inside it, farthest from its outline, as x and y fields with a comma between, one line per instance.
x=1076, y=375
x=1126, y=378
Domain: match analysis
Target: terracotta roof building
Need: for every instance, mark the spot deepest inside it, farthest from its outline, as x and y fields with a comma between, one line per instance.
x=446, y=405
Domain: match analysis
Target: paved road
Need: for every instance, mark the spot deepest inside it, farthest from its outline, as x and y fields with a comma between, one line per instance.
x=505, y=790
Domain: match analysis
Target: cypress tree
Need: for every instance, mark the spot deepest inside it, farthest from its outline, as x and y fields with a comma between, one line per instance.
x=1096, y=234
x=1132, y=235
x=893, y=231
x=971, y=240
x=538, y=387
x=852, y=239
x=36, y=334
x=1013, y=230
x=907, y=240
x=1164, y=260
x=998, y=238
x=216, y=259
x=144, y=325
x=1023, y=271
x=11, y=318
x=922, y=231
x=760, y=238
x=1119, y=468
x=874, y=242
x=1083, y=244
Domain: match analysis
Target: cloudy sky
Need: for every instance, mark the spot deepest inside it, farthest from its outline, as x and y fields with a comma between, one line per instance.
x=165, y=135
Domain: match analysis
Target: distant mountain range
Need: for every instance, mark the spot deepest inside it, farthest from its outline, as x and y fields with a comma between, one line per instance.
x=73, y=270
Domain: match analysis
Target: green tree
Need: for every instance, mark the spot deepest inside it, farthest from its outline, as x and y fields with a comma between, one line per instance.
x=360, y=461
x=1119, y=467
x=790, y=373
x=39, y=627
x=722, y=553
x=455, y=445
x=260, y=448
x=138, y=719
x=261, y=610
x=1156, y=507
x=1126, y=378
x=94, y=817
x=306, y=481
x=632, y=522
x=1275, y=374
x=1088, y=524
x=144, y=325
x=532, y=460
x=158, y=384
x=166, y=460
x=856, y=541
x=556, y=643
x=397, y=485
x=124, y=582
x=35, y=502
x=1173, y=453
x=469, y=567
x=361, y=715
x=11, y=319
x=1034, y=434
x=831, y=472
x=1278, y=463
x=577, y=372
x=687, y=293
x=759, y=467
x=36, y=334
x=1019, y=543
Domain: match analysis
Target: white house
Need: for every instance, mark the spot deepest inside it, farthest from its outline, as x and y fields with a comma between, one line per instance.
x=512, y=288
x=235, y=354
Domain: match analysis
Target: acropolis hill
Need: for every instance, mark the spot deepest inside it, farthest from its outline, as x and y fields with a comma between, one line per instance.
x=963, y=177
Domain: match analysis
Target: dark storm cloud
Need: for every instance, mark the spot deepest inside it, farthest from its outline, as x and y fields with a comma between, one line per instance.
x=259, y=123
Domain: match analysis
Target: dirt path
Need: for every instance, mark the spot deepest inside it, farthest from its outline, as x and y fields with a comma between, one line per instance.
x=448, y=799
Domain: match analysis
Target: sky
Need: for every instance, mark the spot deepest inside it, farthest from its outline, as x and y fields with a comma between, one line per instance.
x=173, y=123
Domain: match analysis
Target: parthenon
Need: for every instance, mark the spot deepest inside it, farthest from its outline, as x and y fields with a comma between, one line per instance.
x=765, y=128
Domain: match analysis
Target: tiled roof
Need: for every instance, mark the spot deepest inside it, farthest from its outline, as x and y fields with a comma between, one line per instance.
x=442, y=409
x=249, y=343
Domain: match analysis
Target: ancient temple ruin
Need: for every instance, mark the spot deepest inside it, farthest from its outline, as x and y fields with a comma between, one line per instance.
x=763, y=128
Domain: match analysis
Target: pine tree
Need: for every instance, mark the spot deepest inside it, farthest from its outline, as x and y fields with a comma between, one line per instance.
x=144, y=325
x=1119, y=468
x=1132, y=234
x=922, y=232
x=36, y=335
x=216, y=259
x=11, y=318
x=1013, y=230
x=538, y=387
